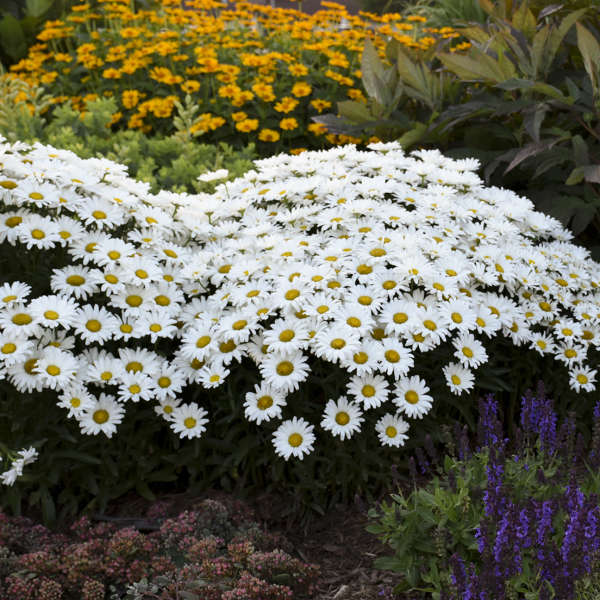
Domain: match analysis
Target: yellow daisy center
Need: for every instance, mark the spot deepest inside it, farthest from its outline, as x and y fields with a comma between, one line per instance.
x=100, y=416
x=411, y=397
x=342, y=418
x=264, y=402
x=285, y=368
x=295, y=440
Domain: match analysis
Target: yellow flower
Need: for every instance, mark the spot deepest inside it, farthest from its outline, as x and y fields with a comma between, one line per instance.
x=298, y=70
x=268, y=135
x=229, y=91
x=317, y=128
x=301, y=89
x=297, y=150
x=287, y=104
x=355, y=94
x=247, y=125
x=130, y=98
x=190, y=86
x=241, y=98
x=264, y=91
x=111, y=74
x=49, y=77
x=164, y=75
x=320, y=105
x=288, y=124
x=239, y=116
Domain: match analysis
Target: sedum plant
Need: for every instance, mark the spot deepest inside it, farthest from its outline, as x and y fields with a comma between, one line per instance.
x=330, y=293
x=210, y=551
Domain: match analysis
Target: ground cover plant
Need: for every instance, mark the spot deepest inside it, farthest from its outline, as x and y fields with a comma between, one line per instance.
x=522, y=98
x=509, y=517
x=256, y=74
x=211, y=551
x=371, y=292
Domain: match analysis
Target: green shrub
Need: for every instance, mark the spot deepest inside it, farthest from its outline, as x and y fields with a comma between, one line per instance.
x=524, y=99
x=165, y=162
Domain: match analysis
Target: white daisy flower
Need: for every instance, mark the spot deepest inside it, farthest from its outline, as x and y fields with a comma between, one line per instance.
x=105, y=370
x=135, y=386
x=213, y=375
x=582, y=378
x=136, y=360
x=94, y=324
x=13, y=293
x=38, y=232
x=74, y=281
x=371, y=390
x=157, y=325
x=394, y=358
x=287, y=335
x=189, y=420
x=14, y=348
x=168, y=381
x=264, y=403
x=412, y=397
x=336, y=343
x=458, y=378
x=19, y=319
x=57, y=368
x=112, y=250
x=542, y=343
x=55, y=311
x=76, y=399
x=469, y=351
x=294, y=437
x=284, y=372
x=24, y=375
x=166, y=406
x=237, y=326
x=570, y=354
x=342, y=418
x=102, y=416
x=391, y=430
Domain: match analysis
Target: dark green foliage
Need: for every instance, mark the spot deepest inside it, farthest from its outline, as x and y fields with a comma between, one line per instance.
x=524, y=99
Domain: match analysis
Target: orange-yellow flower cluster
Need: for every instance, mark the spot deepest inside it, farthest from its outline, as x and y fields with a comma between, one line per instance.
x=256, y=73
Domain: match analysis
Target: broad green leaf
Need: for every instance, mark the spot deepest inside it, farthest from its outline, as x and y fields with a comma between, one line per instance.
x=580, y=151
x=523, y=20
x=36, y=8
x=12, y=38
x=575, y=177
x=531, y=150
x=410, y=138
x=372, y=71
x=590, y=52
x=556, y=37
x=583, y=216
x=478, y=66
x=354, y=111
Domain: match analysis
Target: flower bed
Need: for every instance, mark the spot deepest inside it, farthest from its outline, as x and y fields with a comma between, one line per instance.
x=255, y=74
x=374, y=261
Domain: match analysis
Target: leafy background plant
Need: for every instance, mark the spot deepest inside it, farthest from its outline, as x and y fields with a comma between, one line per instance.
x=523, y=99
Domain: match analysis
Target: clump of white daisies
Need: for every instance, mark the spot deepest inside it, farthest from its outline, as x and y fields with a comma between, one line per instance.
x=366, y=259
